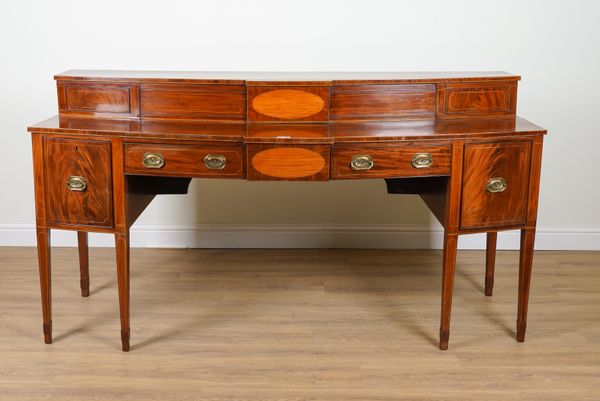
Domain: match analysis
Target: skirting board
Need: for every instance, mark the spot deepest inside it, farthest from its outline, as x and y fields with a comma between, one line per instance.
x=306, y=236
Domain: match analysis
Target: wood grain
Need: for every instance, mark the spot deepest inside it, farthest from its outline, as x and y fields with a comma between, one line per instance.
x=291, y=103
x=473, y=136
x=380, y=102
x=448, y=272
x=534, y=181
x=276, y=77
x=90, y=160
x=288, y=104
x=338, y=132
x=490, y=262
x=123, y=284
x=184, y=160
x=510, y=161
x=109, y=100
x=332, y=325
x=227, y=97
x=45, y=272
x=198, y=102
x=84, y=263
x=102, y=100
x=288, y=133
x=460, y=100
x=288, y=162
x=525, y=268
x=123, y=220
x=390, y=161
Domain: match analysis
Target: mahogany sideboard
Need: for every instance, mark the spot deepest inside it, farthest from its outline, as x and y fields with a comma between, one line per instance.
x=123, y=137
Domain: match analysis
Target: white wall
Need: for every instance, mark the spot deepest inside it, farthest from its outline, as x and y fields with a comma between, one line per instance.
x=554, y=45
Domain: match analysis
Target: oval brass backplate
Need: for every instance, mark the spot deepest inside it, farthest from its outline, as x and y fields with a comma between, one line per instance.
x=215, y=162
x=361, y=162
x=422, y=160
x=76, y=183
x=153, y=160
x=495, y=185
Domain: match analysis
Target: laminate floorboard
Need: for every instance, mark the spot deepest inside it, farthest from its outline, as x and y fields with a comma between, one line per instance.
x=291, y=325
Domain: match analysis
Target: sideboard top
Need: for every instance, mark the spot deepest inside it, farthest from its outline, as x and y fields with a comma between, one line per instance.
x=380, y=131
x=265, y=77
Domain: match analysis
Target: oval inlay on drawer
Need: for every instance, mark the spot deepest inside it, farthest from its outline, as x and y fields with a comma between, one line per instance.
x=288, y=162
x=288, y=103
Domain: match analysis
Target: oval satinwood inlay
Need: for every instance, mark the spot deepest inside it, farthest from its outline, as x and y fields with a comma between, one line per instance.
x=288, y=162
x=288, y=104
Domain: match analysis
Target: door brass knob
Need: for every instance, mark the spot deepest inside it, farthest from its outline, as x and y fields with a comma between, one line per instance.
x=495, y=185
x=76, y=183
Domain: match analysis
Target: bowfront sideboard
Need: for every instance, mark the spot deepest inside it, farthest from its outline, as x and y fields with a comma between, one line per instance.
x=123, y=137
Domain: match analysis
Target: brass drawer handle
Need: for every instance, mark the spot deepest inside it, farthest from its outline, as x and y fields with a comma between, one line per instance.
x=76, y=183
x=215, y=162
x=153, y=160
x=497, y=184
x=422, y=160
x=361, y=162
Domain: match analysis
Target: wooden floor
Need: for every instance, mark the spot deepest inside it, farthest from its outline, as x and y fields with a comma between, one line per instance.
x=300, y=325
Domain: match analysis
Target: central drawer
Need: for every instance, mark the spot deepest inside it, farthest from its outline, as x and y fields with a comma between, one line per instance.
x=389, y=161
x=210, y=161
x=288, y=162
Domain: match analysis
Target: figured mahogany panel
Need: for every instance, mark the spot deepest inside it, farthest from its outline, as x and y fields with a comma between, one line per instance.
x=390, y=161
x=484, y=164
x=90, y=160
x=288, y=162
x=197, y=102
x=363, y=102
x=98, y=99
x=222, y=161
x=468, y=99
x=288, y=103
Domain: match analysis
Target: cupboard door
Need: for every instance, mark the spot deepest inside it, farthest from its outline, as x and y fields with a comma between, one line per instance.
x=78, y=182
x=495, y=182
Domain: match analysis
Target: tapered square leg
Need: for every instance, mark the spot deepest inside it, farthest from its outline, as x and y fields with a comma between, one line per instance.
x=525, y=265
x=490, y=262
x=122, y=250
x=84, y=261
x=43, y=247
x=449, y=267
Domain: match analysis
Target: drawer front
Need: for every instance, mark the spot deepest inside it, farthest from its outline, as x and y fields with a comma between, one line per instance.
x=78, y=182
x=495, y=182
x=99, y=99
x=184, y=160
x=373, y=102
x=376, y=161
x=288, y=103
x=477, y=99
x=288, y=162
x=195, y=102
